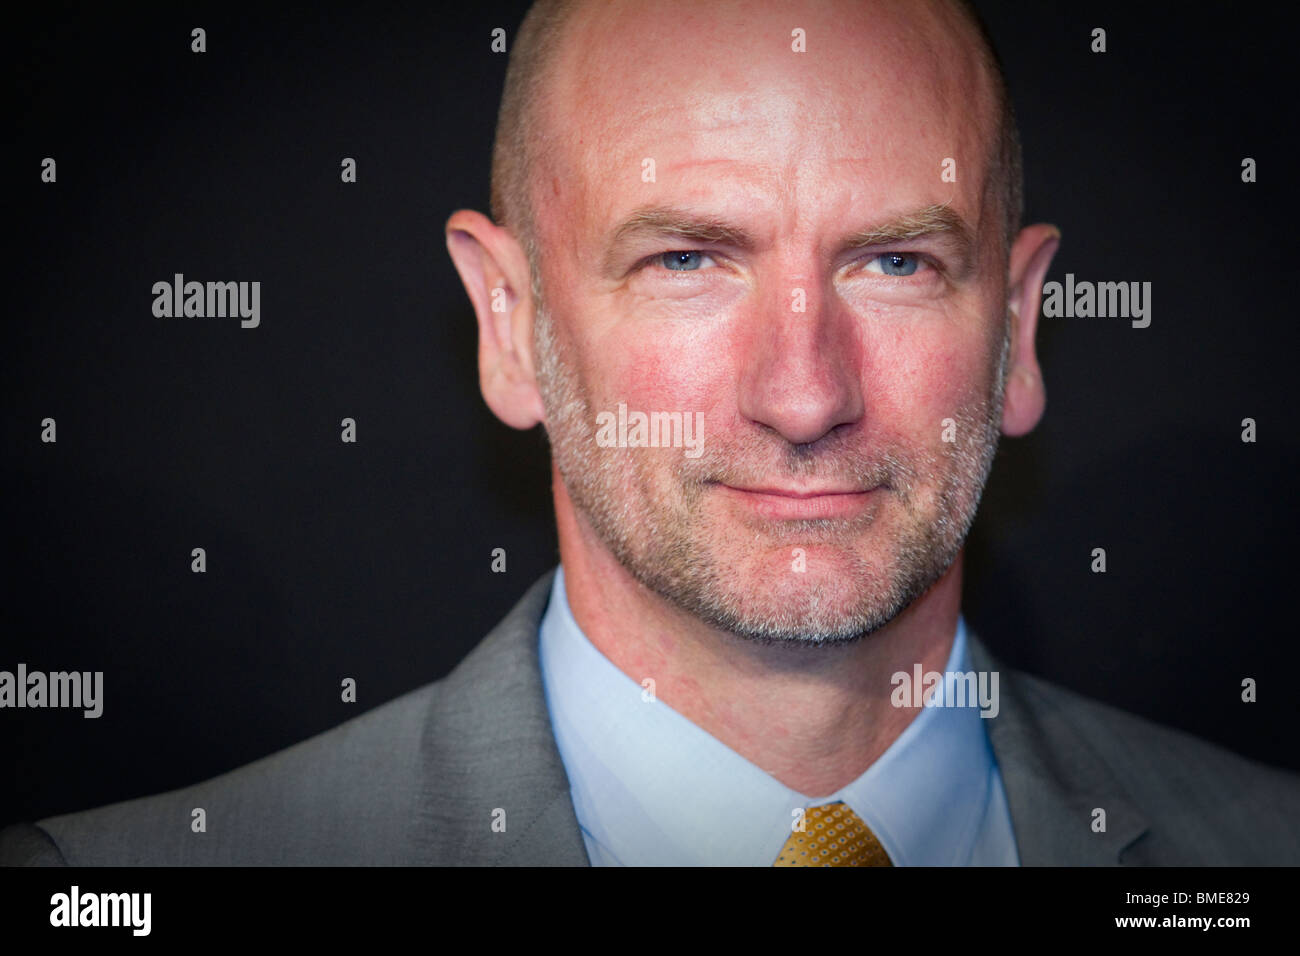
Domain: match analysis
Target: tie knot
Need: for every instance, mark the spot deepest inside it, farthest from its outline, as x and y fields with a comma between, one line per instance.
x=832, y=835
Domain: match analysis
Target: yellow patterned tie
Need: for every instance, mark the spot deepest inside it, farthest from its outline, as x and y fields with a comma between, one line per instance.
x=833, y=836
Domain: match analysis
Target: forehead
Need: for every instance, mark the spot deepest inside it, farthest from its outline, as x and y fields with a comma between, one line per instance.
x=717, y=97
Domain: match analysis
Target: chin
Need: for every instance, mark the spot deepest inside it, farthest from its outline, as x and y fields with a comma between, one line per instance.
x=838, y=597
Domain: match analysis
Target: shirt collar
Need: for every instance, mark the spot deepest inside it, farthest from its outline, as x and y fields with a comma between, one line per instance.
x=652, y=788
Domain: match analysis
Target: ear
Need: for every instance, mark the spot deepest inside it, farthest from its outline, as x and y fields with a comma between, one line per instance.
x=494, y=268
x=1025, y=398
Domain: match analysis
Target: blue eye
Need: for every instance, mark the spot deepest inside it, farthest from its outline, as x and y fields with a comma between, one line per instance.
x=895, y=263
x=685, y=261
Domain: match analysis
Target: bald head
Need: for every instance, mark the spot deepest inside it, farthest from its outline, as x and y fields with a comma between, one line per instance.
x=520, y=139
x=529, y=137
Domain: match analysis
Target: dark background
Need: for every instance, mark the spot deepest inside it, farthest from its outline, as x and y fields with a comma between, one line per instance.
x=372, y=561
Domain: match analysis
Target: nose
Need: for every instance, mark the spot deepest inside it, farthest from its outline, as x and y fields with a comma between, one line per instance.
x=800, y=373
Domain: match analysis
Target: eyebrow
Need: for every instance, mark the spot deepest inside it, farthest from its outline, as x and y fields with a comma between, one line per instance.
x=669, y=222
x=933, y=220
x=672, y=223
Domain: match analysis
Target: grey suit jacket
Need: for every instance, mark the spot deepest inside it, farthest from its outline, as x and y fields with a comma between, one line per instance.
x=421, y=780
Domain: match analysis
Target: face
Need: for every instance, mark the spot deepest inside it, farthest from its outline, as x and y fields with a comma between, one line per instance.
x=770, y=244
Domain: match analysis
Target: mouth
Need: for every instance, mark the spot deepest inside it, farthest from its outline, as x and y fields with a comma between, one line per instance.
x=802, y=504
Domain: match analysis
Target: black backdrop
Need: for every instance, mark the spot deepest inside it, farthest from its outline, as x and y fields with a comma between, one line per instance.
x=372, y=560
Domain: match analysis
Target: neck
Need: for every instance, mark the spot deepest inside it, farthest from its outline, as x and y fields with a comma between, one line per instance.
x=815, y=718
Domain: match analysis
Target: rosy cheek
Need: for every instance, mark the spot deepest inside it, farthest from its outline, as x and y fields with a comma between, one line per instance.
x=663, y=368
x=913, y=382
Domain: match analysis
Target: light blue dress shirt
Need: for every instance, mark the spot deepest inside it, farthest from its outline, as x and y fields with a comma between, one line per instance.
x=651, y=788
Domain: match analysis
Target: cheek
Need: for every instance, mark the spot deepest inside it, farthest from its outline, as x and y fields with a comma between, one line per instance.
x=661, y=366
x=915, y=378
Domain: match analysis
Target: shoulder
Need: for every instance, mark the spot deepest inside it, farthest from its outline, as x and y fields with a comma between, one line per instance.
x=390, y=786
x=1201, y=802
x=299, y=805
x=1157, y=758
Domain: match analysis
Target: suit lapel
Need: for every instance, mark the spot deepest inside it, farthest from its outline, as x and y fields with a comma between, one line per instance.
x=494, y=787
x=1053, y=777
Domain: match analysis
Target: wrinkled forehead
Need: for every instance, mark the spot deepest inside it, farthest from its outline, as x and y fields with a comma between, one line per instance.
x=871, y=93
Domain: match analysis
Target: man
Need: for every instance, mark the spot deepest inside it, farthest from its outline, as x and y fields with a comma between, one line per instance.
x=758, y=270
